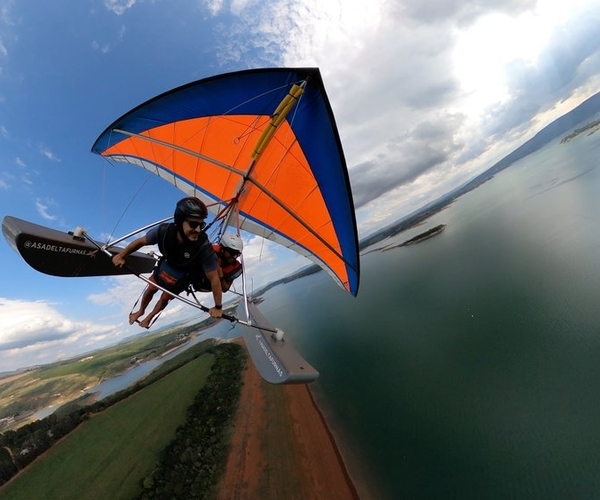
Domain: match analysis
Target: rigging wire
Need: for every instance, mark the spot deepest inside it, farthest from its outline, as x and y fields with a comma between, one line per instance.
x=132, y=198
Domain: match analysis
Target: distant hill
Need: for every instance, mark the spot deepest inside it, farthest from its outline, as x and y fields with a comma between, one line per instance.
x=586, y=110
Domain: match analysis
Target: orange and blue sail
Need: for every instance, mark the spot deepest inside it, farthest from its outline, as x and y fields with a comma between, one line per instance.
x=265, y=139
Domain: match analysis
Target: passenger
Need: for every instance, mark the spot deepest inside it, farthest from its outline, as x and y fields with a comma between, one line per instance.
x=230, y=268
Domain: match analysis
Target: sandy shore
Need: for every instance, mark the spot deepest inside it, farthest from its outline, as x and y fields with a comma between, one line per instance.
x=282, y=448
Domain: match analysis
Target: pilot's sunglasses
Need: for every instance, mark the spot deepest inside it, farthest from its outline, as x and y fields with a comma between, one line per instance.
x=195, y=223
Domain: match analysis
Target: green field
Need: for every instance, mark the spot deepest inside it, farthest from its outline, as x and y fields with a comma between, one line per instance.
x=108, y=455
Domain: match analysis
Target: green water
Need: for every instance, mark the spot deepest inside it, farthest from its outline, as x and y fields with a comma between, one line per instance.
x=469, y=365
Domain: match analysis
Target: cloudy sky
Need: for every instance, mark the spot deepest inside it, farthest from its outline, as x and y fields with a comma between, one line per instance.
x=426, y=95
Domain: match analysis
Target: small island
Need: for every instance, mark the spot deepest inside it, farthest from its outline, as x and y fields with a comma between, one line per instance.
x=590, y=128
x=430, y=233
x=434, y=231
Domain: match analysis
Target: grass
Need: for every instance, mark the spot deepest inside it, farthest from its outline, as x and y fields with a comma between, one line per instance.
x=107, y=456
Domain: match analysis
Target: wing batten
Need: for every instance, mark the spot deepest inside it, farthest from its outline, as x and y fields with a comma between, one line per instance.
x=180, y=149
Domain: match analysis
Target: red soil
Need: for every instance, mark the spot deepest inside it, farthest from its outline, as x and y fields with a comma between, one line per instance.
x=281, y=447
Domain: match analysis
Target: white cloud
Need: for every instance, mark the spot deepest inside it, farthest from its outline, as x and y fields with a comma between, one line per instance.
x=42, y=207
x=106, y=47
x=6, y=17
x=119, y=7
x=6, y=179
x=419, y=89
x=121, y=291
x=48, y=153
x=19, y=162
x=213, y=6
x=102, y=48
x=35, y=332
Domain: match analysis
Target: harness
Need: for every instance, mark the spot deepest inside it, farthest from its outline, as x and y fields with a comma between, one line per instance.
x=180, y=264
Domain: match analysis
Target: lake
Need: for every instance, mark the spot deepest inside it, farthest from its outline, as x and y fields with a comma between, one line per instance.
x=468, y=365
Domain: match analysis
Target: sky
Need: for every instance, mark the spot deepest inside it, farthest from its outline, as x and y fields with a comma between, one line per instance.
x=426, y=95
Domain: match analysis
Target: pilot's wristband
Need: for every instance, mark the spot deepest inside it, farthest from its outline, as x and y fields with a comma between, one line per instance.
x=218, y=306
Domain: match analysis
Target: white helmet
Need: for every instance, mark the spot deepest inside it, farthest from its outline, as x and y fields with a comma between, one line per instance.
x=233, y=241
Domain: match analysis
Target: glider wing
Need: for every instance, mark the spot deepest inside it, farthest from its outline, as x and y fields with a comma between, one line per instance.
x=265, y=139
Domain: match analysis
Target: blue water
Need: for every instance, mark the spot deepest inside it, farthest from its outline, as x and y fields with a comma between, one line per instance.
x=120, y=382
x=469, y=364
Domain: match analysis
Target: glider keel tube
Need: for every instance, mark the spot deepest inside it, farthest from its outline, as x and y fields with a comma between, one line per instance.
x=277, y=361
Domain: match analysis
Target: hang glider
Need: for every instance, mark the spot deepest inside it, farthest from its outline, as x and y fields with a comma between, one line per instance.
x=261, y=149
x=264, y=140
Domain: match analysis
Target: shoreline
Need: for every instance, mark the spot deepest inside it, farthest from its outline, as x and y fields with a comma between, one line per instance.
x=282, y=447
x=335, y=446
x=359, y=471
